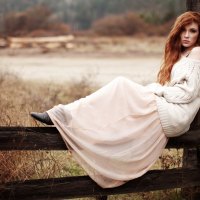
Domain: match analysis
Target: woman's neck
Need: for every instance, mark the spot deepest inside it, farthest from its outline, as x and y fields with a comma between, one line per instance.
x=186, y=52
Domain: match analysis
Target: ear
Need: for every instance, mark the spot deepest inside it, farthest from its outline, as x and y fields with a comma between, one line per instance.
x=195, y=53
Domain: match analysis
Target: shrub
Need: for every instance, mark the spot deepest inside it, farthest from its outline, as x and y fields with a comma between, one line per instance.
x=125, y=24
x=38, y=18
x=31, y=19
x=129, y=24
x=53, y=30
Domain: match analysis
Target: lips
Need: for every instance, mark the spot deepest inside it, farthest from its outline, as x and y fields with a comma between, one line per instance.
x=186, y=41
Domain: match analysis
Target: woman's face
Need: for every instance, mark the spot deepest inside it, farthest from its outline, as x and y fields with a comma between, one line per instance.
x=189, y=35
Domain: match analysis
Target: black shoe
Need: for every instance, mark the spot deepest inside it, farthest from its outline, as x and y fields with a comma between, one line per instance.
x=42, y=117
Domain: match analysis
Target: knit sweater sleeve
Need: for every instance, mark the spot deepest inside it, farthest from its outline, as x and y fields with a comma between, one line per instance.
x=185, y=84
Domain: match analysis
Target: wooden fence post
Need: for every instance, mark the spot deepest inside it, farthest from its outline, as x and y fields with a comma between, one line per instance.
x=191, y=159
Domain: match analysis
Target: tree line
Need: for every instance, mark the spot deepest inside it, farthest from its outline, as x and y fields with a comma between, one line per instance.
x=81, y=14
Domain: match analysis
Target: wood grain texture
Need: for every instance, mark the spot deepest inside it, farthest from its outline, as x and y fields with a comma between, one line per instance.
x=83, y=186
x=48, y=138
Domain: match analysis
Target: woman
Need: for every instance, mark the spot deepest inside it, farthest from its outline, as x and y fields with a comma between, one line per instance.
x=118, y=132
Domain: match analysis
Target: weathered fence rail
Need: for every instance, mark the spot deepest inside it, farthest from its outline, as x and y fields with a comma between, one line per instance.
x=48, y=138
x=83, y=186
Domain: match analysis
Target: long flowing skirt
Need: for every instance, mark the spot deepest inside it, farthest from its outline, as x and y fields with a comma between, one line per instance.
x=115, y=133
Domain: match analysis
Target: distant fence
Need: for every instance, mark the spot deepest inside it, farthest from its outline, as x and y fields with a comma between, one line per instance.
x=48, y=138
x=38, y=42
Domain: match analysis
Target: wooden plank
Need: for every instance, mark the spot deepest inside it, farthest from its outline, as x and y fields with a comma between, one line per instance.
x=46, y=129
x=55, y=39
x=30, y=138
x=74, y=187
x=196, y=122
x=48, y=138
x=188, y=140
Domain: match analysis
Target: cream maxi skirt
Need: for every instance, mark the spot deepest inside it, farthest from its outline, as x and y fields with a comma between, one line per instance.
x=115, y=133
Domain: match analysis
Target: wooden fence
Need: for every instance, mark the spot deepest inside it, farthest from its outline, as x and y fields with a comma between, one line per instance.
x=48, y=138
x=54, y=42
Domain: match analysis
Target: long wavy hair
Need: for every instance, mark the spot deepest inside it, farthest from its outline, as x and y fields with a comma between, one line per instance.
x=173, y=47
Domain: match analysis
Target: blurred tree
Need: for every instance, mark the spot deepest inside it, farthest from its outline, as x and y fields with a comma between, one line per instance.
x=81, y=13
x=23, y=22
x=123, y=24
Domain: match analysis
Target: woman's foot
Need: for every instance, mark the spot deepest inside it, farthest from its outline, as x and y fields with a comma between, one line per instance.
x=42, y=117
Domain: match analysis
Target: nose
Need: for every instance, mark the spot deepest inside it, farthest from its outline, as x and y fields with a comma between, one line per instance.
x=186, y=34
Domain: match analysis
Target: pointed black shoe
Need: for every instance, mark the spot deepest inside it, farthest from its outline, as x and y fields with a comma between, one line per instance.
x=42, y=117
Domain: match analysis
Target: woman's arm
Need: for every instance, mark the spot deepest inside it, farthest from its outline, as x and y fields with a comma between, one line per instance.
x=185, y=88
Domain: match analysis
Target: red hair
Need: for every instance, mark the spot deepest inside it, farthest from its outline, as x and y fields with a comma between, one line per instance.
x=173, y=48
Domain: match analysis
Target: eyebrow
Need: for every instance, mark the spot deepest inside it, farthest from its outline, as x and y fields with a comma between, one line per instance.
x=192, y=28
x=195, y=28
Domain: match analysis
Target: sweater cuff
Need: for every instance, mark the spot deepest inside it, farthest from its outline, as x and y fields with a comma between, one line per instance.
x=156, y=88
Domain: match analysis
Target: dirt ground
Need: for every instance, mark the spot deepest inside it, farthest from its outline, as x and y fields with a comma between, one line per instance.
x=100, y=59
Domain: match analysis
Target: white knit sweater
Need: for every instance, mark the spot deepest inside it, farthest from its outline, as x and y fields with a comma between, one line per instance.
x=179, y=100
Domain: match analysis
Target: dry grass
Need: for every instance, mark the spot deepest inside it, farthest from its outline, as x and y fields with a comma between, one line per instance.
x=17, y=99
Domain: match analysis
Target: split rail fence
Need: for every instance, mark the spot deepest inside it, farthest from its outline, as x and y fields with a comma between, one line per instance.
x=48, y=138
